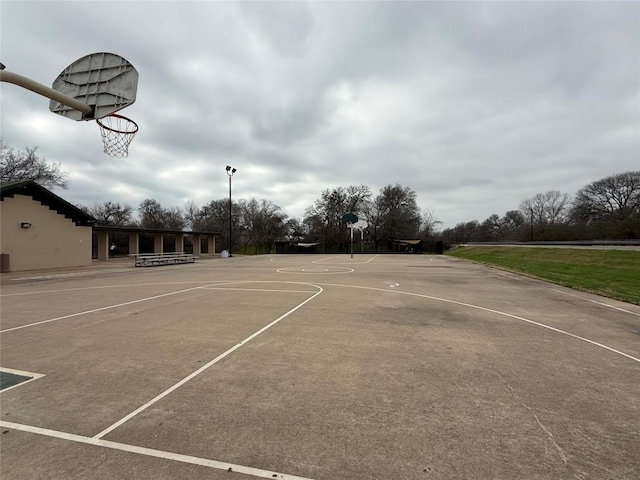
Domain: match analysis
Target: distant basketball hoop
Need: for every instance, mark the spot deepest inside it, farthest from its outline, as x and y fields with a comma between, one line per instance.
x=117, y=132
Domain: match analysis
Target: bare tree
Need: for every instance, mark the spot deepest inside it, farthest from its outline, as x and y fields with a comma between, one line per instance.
x=557, y=206
x=173, y=219
x=27, y=165
x=546, y=208
x=263, y=223
x=373, y=212
x=465, y=232
x=429, y=224
x=617, y=195
x=111, y=214
x=512, y=224
x=214, y=217
x=191, y=212
x=609, y=207
x=152, y=215
x=357, y=195
x=296, y=230
x=491, y=229
x=399, y=211
x=323, y=218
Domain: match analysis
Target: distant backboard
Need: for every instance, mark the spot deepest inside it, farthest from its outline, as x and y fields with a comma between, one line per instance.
x=361, y=225
x=349, y=218
x=104, y=81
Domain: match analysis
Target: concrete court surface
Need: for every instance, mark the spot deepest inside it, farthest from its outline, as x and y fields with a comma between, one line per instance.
x=312, y=366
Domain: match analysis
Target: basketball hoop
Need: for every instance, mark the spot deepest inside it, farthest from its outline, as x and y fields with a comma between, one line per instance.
x=117, y=132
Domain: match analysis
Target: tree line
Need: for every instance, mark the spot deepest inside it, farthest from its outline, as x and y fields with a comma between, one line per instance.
x=608, y=208
x=256, y=225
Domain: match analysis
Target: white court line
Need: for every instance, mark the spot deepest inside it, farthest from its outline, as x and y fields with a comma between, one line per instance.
x=34, y=376
x=108, y=307
x=38, y=292
x=498, y=312
x=341, y=257
x=21, y=372
x=62, y=290
x=150, y=452
x=598, y=303
x=205, y=367
x=332, y=270
x=256, y=290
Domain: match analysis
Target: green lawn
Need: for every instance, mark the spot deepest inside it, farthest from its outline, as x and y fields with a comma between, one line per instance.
x=612, y=273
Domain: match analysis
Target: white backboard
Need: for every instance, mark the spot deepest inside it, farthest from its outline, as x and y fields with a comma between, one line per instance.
x=105, y=81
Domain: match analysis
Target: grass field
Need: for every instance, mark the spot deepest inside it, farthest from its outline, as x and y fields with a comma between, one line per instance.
x=612, y=273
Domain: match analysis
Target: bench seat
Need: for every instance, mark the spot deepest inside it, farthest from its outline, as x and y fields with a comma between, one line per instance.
x=156, y=259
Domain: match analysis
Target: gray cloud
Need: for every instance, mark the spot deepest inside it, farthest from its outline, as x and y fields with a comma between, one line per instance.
x=474, y=105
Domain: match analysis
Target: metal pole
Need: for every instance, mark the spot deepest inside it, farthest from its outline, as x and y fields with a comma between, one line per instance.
x=40, y=89
x=230, y=172
x=230, y=224
x=351, y=246
x=531, y=222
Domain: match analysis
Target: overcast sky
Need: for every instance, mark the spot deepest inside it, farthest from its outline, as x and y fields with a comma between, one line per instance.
x=473, y=105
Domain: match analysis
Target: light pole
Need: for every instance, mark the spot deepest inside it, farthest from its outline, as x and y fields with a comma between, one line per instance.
x=230, y=172
x=531, y=223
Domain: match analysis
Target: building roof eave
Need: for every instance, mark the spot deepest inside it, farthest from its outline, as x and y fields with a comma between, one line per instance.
x=47, y=198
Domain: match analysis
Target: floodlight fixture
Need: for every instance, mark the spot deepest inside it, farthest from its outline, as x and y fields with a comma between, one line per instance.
x=230, y=171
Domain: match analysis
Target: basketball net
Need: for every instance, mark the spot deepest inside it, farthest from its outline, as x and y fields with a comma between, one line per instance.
x=117, y=132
